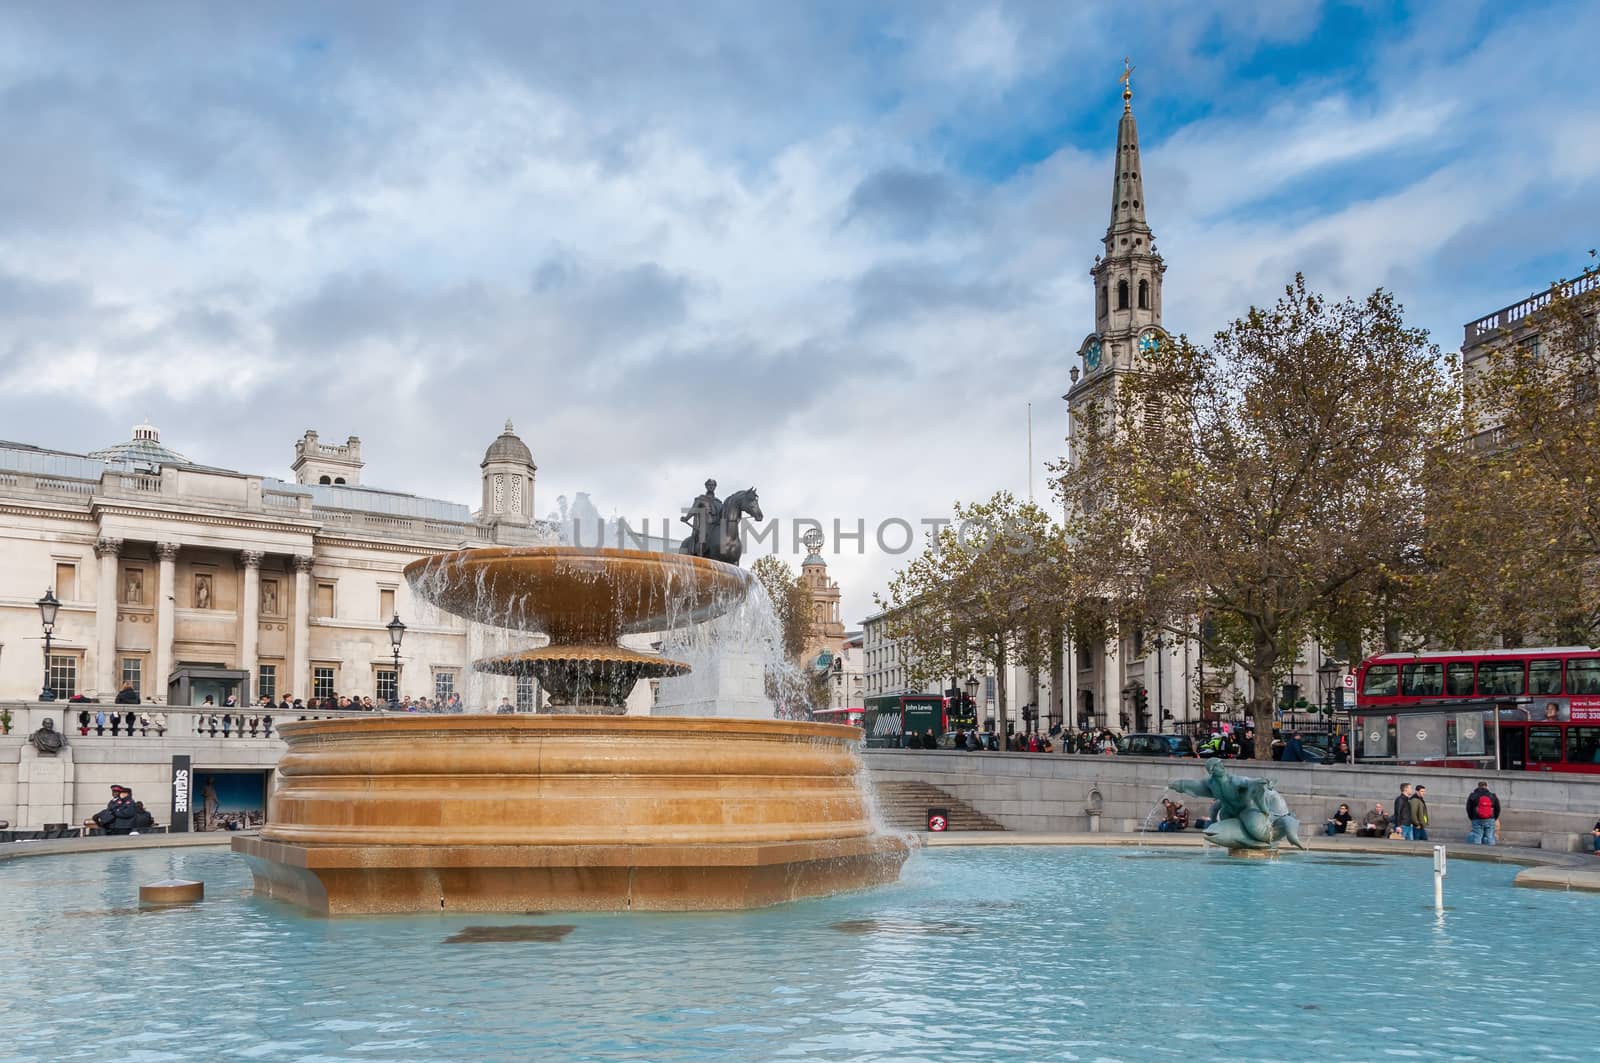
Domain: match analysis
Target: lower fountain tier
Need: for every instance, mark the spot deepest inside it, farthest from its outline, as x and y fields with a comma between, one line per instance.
x=356, y=880
x=540, y=813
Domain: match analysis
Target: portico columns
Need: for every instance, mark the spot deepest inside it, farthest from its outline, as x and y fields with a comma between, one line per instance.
x=105, y=618
x=167, y=588
x=302, y=626
x=250, y=622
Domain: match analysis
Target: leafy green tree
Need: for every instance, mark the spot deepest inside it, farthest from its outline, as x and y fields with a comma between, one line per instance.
x=790, y=601
x=1270, y=483
x=987, y=591
x=1519, y=550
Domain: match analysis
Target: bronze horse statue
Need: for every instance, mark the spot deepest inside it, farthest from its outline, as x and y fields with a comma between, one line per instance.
x=721, y=540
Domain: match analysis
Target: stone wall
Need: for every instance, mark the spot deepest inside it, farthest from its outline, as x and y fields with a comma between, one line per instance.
x=1052, y=792
x=71, y=786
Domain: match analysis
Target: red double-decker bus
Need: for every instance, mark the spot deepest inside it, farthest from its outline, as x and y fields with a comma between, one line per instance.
x=1520, y=710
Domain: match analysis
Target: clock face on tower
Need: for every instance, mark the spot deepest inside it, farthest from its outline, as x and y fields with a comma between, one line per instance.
x=1150, y=343
x=1091, y=355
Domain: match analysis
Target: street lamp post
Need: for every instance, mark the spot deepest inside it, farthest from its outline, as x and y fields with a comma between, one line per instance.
x=48, y=607
x=397, y=633
x=1328, y=675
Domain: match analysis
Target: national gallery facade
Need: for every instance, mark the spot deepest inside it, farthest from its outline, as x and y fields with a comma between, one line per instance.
x=184, y=580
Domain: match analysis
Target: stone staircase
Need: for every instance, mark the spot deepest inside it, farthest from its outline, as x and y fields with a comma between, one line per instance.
x=904, y=806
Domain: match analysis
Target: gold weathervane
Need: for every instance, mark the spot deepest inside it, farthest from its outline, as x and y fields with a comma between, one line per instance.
x=1126, y=79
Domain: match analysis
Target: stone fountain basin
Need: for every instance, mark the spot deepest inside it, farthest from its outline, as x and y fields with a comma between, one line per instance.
x=578, y=594
x=546, y=813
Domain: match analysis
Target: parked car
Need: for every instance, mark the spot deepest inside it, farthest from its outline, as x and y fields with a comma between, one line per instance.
x=1316, y=752
x=1155, y=745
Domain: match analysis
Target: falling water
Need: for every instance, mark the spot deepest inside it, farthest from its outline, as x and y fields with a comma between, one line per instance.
x=733, y=644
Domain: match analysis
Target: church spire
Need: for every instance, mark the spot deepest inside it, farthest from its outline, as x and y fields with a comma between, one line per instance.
x=1127, y=186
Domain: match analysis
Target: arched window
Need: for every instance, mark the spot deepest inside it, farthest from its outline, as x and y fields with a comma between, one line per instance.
x=338, y=479
x=325, y=480
x=1144, y=295
x=1122, y=295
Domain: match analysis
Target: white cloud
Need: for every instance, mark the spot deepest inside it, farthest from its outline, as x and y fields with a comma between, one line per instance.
x=639, y=241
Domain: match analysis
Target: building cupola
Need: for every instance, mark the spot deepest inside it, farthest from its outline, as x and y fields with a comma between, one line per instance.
x=508, y=477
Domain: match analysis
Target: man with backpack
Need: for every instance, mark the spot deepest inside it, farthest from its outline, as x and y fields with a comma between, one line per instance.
x=1483, y=809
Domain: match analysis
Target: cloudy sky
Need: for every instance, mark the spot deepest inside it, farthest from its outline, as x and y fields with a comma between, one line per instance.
x=832, y=250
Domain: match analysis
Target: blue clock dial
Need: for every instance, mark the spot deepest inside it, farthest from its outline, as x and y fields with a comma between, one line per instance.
x=1150, y=343
x=1091, y=354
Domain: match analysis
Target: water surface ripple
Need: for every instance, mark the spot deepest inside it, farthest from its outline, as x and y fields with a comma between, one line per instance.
x=992, y=954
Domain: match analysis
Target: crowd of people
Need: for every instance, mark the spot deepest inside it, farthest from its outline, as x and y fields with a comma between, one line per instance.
x=1409, y=818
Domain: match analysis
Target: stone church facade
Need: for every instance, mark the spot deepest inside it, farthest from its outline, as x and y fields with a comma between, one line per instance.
x=185, y=579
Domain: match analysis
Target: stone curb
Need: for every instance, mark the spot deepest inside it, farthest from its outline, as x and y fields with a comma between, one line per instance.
x=1545, y=870
x=115, y=843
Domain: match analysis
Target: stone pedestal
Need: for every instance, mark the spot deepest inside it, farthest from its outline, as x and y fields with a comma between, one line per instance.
x=732, y=685
x=44, y=788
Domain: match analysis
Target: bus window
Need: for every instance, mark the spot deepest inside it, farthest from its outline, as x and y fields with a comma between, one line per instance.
x=1382, y=681
x=1583, y=745
x=1544, y=677
x=1544, y=745
x=1458, y=679
x=1422, y=680
x=1583, y=677
x=1500, y=677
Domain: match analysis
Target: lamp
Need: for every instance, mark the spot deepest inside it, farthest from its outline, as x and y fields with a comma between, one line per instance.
x=1328, y=674
x=397, y=634
x=49, y=605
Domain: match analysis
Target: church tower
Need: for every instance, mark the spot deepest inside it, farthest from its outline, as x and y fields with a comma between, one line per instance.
x=1127, y=282
x=1111, y=679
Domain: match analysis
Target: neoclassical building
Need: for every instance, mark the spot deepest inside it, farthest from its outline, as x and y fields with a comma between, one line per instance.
x=185, y=579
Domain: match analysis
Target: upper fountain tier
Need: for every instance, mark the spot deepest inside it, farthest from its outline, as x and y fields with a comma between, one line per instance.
x=578, y=594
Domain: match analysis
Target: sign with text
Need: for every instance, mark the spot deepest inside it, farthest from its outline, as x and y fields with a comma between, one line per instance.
x=182, y=784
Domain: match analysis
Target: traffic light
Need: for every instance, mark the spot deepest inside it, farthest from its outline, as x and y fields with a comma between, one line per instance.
x=1141, y=702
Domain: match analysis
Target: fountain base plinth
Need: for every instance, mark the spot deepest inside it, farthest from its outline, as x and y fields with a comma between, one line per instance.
x=566, y=813
x=351, y=880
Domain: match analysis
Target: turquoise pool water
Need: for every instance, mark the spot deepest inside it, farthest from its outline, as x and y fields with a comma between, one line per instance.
x=979, y=954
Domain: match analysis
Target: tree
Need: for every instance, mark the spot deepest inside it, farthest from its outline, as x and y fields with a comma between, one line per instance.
x=794, y=685
x=1524, y=557
x=791, y=602
x=1248, y=494
x=986, y=591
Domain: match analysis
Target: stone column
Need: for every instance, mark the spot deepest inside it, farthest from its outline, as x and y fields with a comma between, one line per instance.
x=1110, y=706
x=166, y=589
x=302, y=627
x=250, y=622
x=105, y=618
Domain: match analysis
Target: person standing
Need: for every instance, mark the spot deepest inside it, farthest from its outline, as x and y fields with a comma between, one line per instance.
x=1401, y=820
x=1483, y=810
x=1419, y=813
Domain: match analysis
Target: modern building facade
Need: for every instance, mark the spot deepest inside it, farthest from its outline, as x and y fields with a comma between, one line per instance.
x=183, y=579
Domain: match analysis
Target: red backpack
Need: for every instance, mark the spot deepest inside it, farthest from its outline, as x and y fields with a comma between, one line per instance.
x=1485, y=807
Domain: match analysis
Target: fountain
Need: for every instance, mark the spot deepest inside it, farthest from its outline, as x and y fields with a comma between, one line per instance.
x=581, y=809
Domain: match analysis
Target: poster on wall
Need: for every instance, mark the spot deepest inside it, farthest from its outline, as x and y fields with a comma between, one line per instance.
x=229, y=800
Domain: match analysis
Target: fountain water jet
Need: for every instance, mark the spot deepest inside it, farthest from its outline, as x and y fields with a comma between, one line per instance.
x=582, y=810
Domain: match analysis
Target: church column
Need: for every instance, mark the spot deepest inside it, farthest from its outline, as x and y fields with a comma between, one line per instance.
x=1111, y=679
x=250, y=630
x=105, y=618
x=302, y=626
x=167, y=587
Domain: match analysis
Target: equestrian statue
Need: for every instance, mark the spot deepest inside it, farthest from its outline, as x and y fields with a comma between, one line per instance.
x=715, y=523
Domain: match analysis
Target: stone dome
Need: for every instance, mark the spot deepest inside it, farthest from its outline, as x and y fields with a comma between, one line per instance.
x=143, y=449
x=508, y=447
